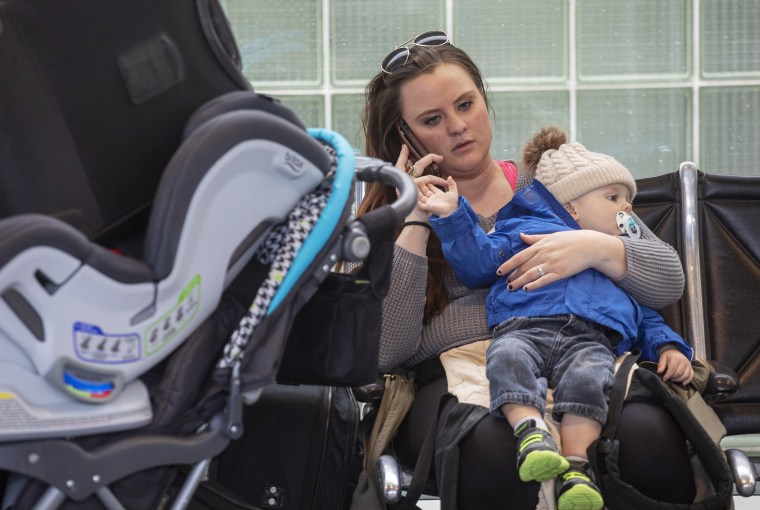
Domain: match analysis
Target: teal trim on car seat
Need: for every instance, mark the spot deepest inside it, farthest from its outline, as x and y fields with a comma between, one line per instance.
x=328, y=219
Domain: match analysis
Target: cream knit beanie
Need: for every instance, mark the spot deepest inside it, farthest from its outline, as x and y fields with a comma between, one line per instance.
x=572, y=171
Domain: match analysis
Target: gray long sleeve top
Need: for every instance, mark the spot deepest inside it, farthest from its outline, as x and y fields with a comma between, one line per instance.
x=654, y=278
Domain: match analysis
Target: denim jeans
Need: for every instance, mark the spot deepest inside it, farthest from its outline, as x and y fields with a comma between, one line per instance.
x=566, y=353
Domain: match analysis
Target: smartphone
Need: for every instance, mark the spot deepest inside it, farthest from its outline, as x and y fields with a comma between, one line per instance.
x=416, y=149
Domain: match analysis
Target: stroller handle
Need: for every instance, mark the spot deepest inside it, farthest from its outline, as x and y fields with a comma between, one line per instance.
x=375, y=170
x=384, y=220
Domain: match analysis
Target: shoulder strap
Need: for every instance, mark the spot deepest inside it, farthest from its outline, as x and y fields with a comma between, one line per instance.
x=710, y=455
x=442, y=444
x=397, y=398
x=457, y=423
x=619, y=392
x=421, y=468
x=396, y=401
x=510, y=172
x=604, y=452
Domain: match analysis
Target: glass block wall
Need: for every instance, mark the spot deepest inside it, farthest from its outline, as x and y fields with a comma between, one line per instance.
x=651, y=82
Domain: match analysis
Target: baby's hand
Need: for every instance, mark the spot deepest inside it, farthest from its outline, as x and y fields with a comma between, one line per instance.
x=675, y=366
x=434, y=200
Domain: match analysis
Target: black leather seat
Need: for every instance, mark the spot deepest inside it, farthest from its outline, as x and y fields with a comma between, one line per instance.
x=710, y=219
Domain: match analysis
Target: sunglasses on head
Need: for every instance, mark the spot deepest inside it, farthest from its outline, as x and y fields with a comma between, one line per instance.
x=400, y=54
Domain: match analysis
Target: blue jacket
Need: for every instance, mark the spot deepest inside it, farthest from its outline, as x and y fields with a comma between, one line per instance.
x=475, y=257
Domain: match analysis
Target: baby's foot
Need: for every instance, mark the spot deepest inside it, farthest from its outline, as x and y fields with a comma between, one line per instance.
x=538, y=457
x=576, y=491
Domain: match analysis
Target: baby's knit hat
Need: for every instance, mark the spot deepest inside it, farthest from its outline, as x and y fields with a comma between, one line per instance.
x=572, y=171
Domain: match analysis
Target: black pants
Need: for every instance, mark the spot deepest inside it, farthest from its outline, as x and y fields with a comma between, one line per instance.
x=653, y=456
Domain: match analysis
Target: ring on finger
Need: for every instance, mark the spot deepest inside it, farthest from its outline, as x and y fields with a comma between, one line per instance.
x=412, y=171
x=540, y=272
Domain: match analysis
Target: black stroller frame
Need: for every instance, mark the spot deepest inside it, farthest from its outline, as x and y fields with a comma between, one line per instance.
x=153, y=125
x=76, y=472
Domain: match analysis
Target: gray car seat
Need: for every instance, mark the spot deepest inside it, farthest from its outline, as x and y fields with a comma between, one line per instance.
x=63, y=376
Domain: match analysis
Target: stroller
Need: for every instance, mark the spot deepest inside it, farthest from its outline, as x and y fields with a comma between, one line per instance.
x=118, y=367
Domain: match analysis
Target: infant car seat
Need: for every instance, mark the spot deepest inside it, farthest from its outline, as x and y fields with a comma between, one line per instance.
x=57, y=365
x=89, y=321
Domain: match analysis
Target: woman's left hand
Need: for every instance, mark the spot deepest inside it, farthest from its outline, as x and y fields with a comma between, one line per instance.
x=552, y=257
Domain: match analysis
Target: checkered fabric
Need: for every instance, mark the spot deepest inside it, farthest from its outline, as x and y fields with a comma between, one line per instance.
x=279, y=249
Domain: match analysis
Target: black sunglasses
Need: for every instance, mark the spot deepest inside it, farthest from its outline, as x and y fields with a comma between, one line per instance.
x=400, y=54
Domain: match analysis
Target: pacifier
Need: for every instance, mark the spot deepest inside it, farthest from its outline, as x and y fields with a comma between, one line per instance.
x=627, y=225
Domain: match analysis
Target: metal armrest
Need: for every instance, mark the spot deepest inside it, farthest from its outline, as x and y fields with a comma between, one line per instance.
x=370, y=393
x=723, y=380
x=392, y=477
x=743, y=471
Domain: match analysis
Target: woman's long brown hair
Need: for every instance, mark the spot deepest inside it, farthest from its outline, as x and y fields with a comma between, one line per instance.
x=382, y=111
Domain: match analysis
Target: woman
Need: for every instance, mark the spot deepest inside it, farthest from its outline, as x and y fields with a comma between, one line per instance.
x=434, y=90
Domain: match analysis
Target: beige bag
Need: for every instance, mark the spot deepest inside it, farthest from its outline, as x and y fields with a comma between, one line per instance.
x=397, y=399
x=692, y=395
x=707, y=417
x=465, y=368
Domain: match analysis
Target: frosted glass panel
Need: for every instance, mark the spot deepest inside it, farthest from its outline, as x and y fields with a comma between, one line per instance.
x=730, y=130
x=278, y=41
x=619, y=76
x=520, y=114
x=362, y=32
x=649, y=131
x=730, y=38
x=310, y=109
x=514, y=40
x=641, y=40
x=347, y=119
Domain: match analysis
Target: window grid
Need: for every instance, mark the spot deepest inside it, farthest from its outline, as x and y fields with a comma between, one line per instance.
x=698, y=62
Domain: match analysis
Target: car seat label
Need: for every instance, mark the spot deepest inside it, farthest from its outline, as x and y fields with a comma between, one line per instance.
x=92, y=344
x=171, y=323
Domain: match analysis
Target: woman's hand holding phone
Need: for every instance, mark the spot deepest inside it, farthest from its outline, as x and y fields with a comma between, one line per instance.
x=426, y=165
x=406, y=161
x=418, y=154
